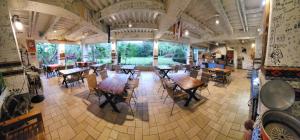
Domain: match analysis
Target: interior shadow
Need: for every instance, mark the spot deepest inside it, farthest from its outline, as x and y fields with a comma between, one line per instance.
x=107, y=113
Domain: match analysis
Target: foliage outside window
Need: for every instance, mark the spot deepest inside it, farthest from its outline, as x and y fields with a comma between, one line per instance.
x=99, y=52
x=102, y=52
x=170, y=53
x=47, y=53
x=135, y=52
x=73, y=53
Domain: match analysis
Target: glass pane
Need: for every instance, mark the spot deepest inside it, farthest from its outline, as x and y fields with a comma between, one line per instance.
x=73, y=53
x=47, y=53
x=102, y=52
x=135, y=52
x=170, y=53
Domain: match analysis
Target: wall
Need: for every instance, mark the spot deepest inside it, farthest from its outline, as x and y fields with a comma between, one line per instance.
x=283, y=46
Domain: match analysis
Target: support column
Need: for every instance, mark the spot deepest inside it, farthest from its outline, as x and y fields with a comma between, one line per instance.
x=114, y=54
x=189, y=55
x=155, y=53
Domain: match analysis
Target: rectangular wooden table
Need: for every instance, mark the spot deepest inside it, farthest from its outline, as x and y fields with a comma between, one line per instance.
x=112, y=87
x=67, y=72
x=219, y=69
x=188, y=84
x=95, y=67
x=164, y=70
x=128, y=69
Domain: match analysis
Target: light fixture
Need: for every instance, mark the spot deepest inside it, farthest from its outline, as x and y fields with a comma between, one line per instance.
x=217, y=43
x=243, y=41
x=263, y=2
x=17, y=23
x=113, y=17
x=186, y=33
x=129, y=24
x=258, y=29
x=54, y=31
x=252, y=45
x=217, y=22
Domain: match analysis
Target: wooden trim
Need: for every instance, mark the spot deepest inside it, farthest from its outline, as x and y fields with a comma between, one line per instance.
x=13, y=72
x=284, y=73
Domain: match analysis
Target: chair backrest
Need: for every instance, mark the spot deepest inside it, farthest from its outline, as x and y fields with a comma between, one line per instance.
x=188, y=67
x=220, y=73
x=92, y=81
x=176, y=68
x=103, y=74
x=86, y=72
x=205, y=70
x=205, y=77
x=117, y=68
x=194, y=73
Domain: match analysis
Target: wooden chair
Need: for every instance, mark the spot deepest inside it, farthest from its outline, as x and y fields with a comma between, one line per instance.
x=205, y=79
x=103, y=74
x=220, y=76
x=117, y=68
x=128, y=98
x=85, y=73
x=176, y=95
x=188, y=68
x=92, y=85
x=134, y=84
x=27, y=126
x=74, y=78
x=194, y=73
x=164, y=83
x=176, y=68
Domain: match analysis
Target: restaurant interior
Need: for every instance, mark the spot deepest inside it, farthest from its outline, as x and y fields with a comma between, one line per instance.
x=150, y=69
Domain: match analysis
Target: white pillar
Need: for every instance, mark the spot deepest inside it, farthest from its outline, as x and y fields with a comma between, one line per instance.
x=61, y=52
x=189, y=55
x=114, y=55
x=155, y=53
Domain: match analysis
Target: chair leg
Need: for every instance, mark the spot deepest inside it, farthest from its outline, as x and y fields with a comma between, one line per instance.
x=166, y=98
x=172, y=108
x=162, y=93
x=131, y=109
x=208, y=90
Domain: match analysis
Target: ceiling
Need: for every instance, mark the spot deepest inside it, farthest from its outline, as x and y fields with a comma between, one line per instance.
x=150, y=19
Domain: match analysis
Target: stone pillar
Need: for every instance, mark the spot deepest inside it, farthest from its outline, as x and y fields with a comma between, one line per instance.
x=114, y=54
x=155, y=53
x=10, y=60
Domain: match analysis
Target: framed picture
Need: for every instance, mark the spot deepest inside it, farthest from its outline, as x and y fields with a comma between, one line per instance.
x=31, y=46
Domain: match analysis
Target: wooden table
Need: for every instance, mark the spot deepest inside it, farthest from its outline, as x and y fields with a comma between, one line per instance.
x=164, y=70
x=128, y=69
x=188, y=84
x=219, y=69
x=67, y=72
x=95, y=67
x=112, y=87
x=83, y=64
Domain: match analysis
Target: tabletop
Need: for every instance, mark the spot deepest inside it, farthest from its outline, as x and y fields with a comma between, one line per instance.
x=72, y=71
x=128, y=67
x=164, y=67
x=114, y=84
x=219, y=69
x=97, y=65
x=186, y=82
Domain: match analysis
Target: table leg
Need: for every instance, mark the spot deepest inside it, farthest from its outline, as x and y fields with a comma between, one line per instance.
x=109, y=100
x=65, y=81
x=191, y=95
x=165, y=74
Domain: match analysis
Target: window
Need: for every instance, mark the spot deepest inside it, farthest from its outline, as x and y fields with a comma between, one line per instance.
x=102, y=53
x=73, y=53
x=170, y=53
x=98, y=52
x=47, y=53
x=135, y=52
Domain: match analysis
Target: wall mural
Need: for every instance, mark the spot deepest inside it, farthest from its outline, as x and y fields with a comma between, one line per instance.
x=284, y=43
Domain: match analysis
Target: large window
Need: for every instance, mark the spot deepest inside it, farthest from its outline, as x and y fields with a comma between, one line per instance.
x=47, y=53
x=73, y=53
x=170, y=53
x=135, y=52
x=99, y=52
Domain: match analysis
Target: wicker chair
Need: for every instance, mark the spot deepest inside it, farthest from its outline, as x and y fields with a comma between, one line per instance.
x=205, y=79
x=103, y=74
x=194, y=73
x=92, y=85
x=176, y=95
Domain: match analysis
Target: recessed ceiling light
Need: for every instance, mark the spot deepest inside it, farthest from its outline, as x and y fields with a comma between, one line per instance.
x=113, y=17
x=18, y=25
x=217, y=43
x=217, y=21
x=129, y=25
x=54, y=31
x=186, y=33
x=258, y=29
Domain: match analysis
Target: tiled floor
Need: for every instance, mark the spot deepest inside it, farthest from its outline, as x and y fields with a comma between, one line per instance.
x=220, y=115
